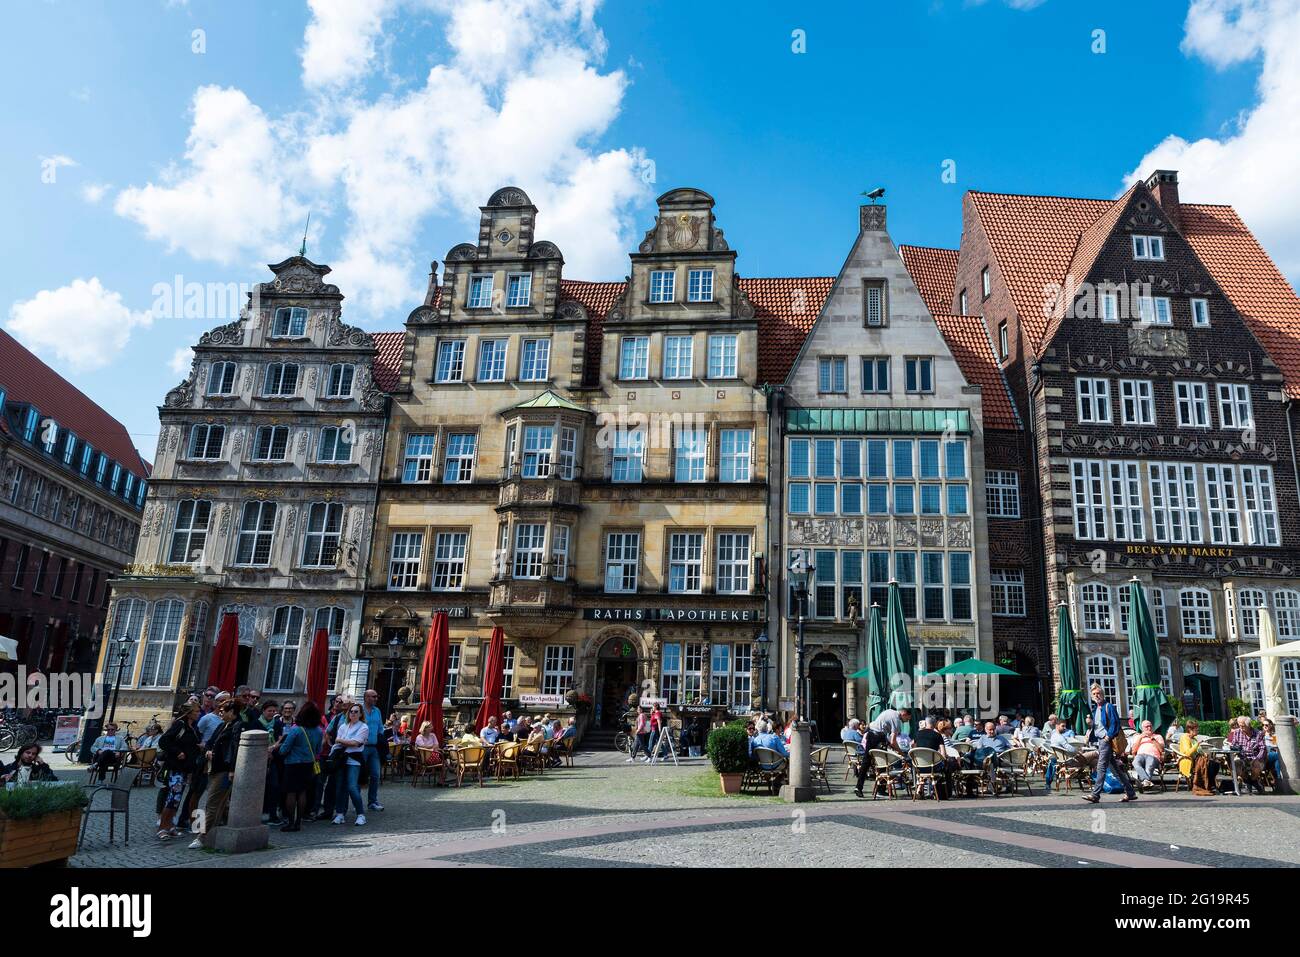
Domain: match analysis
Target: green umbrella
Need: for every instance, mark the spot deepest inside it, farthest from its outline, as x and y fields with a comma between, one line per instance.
x=877, y=670
x=1073, y=705
x=898, y=652
x=973, y=666
x=1149, y=700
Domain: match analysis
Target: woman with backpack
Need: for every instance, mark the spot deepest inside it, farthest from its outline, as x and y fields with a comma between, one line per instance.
x=301, y=744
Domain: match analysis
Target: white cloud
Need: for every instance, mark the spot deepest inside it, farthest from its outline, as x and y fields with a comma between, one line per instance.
x=232, y=194
x=181, y=360
x=82, y=324
x=1252, y=164
x=94, y=192
x=339, y=44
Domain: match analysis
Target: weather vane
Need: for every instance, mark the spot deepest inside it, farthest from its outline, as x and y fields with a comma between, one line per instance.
x=302, y=250
x=874, y=194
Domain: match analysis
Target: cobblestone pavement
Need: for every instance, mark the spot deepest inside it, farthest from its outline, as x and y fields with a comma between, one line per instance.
x=605, y=812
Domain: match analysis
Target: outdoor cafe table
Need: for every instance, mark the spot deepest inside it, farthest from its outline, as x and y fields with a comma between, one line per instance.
x=1227, y=754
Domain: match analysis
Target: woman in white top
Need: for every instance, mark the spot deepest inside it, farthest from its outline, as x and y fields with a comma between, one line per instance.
x=350, y=738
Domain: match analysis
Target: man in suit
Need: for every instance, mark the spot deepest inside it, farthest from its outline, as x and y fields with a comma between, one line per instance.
x=1105, y=730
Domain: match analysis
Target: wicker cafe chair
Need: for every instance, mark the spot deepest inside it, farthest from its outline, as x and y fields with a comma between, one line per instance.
x=428, y=764
x=470, y=761
x=926, y=766
x=1013, y=766
x=564, y=750
x=145, y=760
x=508, y=759
x=890, y=771
x=817, y=761
x=531, y=758
x=1069, y=767
x=852, y=759
x=768, y=770
x=1168, y=766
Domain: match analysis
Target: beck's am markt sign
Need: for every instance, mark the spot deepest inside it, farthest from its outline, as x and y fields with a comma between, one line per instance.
x=1181, y=551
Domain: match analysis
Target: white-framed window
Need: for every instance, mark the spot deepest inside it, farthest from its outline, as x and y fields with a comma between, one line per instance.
x=338, y=384
x=961, y=303
x=1109, y=306
x=281, y=380
x=1093, y=400
x=282, y=654
x=1124, y=483
x=206, y=441
x=568, y=453
x=679, y=357
x=622, y=561
x=742, y=666
x=271, y=444
x=450, y=366
x=1088, y=482
x=160, y=646
x=449, y=550
x=1222, y=505
x=932, y=604
x=733, y=563
x=459, y=465
x=918, y=373
x=195, y=638
x=128, y=619
x=1002, y=490
x=627, y=456
x=875, y=374
x=221, y=380
x=1250, y=682
x=1008, y=586
x=1200, y=312
x=699, y=285
x=330, y=620
x=1286, y=602
x=736, y=454
x=417, y=461
x=480, y=292
x=189, y=531
x=662, y=285
x=831, y=374
x=1004, y=343
x=634, y=357
x=1148, y=247
x=334, y=445
x=1101, y=670
x=1197, y=613
x=508, y=671
x=492, y=360
x=670, y=672
x=960, y=607
x=1234, y=406
x=537, y=450
x=290, y=322
x=453, y=668
x=560, y=552
x=1097, y=608
x=685, y=562
x=1261, y=504
x=722, y=356
x=1248, y=601
x=535, y=360
x=320, y=546
x=530, y=550
x=519, y=290
x=557, y=669
x=986, y=284
x=1175, y=508
x=1158, y=613
x=1137, y=401
x=256, y=533
x=1154, y=310
x=690, y=453
x=720, y=673
x=404, y=560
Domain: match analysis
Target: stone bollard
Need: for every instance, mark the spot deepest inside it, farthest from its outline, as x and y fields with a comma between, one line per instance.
x=244, y=830
x=800, y=787
x=1288, y=754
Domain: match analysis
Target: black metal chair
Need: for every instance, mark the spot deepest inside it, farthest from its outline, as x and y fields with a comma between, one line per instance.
x=119, y=802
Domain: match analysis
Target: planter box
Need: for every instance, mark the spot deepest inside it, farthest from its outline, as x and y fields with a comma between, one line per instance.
x=38, y=840
x=731, y=783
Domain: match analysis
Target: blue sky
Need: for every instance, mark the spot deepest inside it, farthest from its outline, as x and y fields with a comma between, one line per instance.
x=198, y=154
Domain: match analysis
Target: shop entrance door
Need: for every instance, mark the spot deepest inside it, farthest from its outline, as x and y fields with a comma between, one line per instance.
x=1205, y=688
x=616, y=678
x=826, y=697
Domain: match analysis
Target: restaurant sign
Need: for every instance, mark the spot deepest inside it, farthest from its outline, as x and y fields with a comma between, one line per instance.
x=724, y=615
x=541, y=701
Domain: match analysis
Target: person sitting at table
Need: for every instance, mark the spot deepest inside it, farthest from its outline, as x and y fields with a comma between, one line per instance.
x=426, y=738
x=152, y=732
x=27, y=767
x=964, y=730
x=1003, y=727
x=467, y=738
x=1063, y=739
x=987, y=747
x=1199, y=769
x=508, y=726
x=1027, y=729
x=107, y=750
x=490, y=734
x=557, y=732
x=1274, y=760
x=537, y=740
x=1251, y=753
x=523, y=728
x=1148, y=750
x=928, y=736
x=852, y=734
x=393, y=730
x=1173, y=733
x=767, y=738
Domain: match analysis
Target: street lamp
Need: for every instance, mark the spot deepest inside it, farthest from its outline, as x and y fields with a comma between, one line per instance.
x=800, y=575
x=762, y=641
x=123, y=653
x=394, y=649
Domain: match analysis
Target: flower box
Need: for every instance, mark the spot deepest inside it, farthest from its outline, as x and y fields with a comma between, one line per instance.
x=38, y=840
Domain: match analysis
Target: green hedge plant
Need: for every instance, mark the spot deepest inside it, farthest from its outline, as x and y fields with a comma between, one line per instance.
x=25, y=802
x=728, y=749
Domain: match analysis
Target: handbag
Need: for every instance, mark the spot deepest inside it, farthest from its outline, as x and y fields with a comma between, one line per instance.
x=315, y=761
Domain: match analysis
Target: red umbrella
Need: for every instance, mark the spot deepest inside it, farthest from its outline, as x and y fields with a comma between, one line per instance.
x=318, y=669
x=433, y=676
x=494, y=679
x=225, y=659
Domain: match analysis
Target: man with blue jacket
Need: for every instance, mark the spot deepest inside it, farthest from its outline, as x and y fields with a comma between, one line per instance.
x=375, y=723
x=1106, y=729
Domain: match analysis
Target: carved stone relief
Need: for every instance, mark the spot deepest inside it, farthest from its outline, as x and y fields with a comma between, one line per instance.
x=825, y=531
x=959, y=533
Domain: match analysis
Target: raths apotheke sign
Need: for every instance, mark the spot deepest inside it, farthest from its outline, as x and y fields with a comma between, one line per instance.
x=722, y=615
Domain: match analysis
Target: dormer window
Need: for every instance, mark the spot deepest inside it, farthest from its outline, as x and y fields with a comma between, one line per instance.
x=290, y=322
x=480, y=292
x=1148, y=247
x=699, y=287
x=519, y=290
x=662, y=285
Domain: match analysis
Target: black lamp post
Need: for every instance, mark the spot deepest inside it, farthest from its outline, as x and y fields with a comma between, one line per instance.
x=123, y=653
x=394, y=649
x=800, y=575
x=762, y=641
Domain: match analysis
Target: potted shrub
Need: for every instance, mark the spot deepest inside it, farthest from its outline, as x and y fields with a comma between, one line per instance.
x=39, y=823
x=728, y=749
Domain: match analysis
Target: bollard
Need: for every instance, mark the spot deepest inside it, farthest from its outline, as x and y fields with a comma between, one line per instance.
x=800, y=787
x=244, y=830
x=1288, y=753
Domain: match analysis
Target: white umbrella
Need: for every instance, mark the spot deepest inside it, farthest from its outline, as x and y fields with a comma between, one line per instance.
x=8, y=649
x=1288, y=649
x=1270, y=667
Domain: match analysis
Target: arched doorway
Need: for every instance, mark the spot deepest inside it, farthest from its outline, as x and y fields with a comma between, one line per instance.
x=1022, y=693
x=826, y=696
x=616, y=677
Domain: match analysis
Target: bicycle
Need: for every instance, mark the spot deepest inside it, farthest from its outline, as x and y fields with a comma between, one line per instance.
x=625, y=739
x=15, y=733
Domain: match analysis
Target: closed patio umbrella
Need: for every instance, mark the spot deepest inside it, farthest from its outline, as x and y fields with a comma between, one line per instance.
x=899, y=671
x=225, y=658
x=877, y=670
x=494, y=679
x=1073, y=704
x=318, y=669
x=433, y=676
x=1270, y=668
x=1150, y=703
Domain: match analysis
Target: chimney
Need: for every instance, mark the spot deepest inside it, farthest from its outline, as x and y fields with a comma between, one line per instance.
x=871, y=217
x=1163, y=184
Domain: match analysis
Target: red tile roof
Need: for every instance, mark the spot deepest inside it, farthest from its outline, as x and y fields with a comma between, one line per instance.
x=25, y=378
x=786, y=310
x=389, y=349
x=598, y=298
x=935, y=273
x=971, y=346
